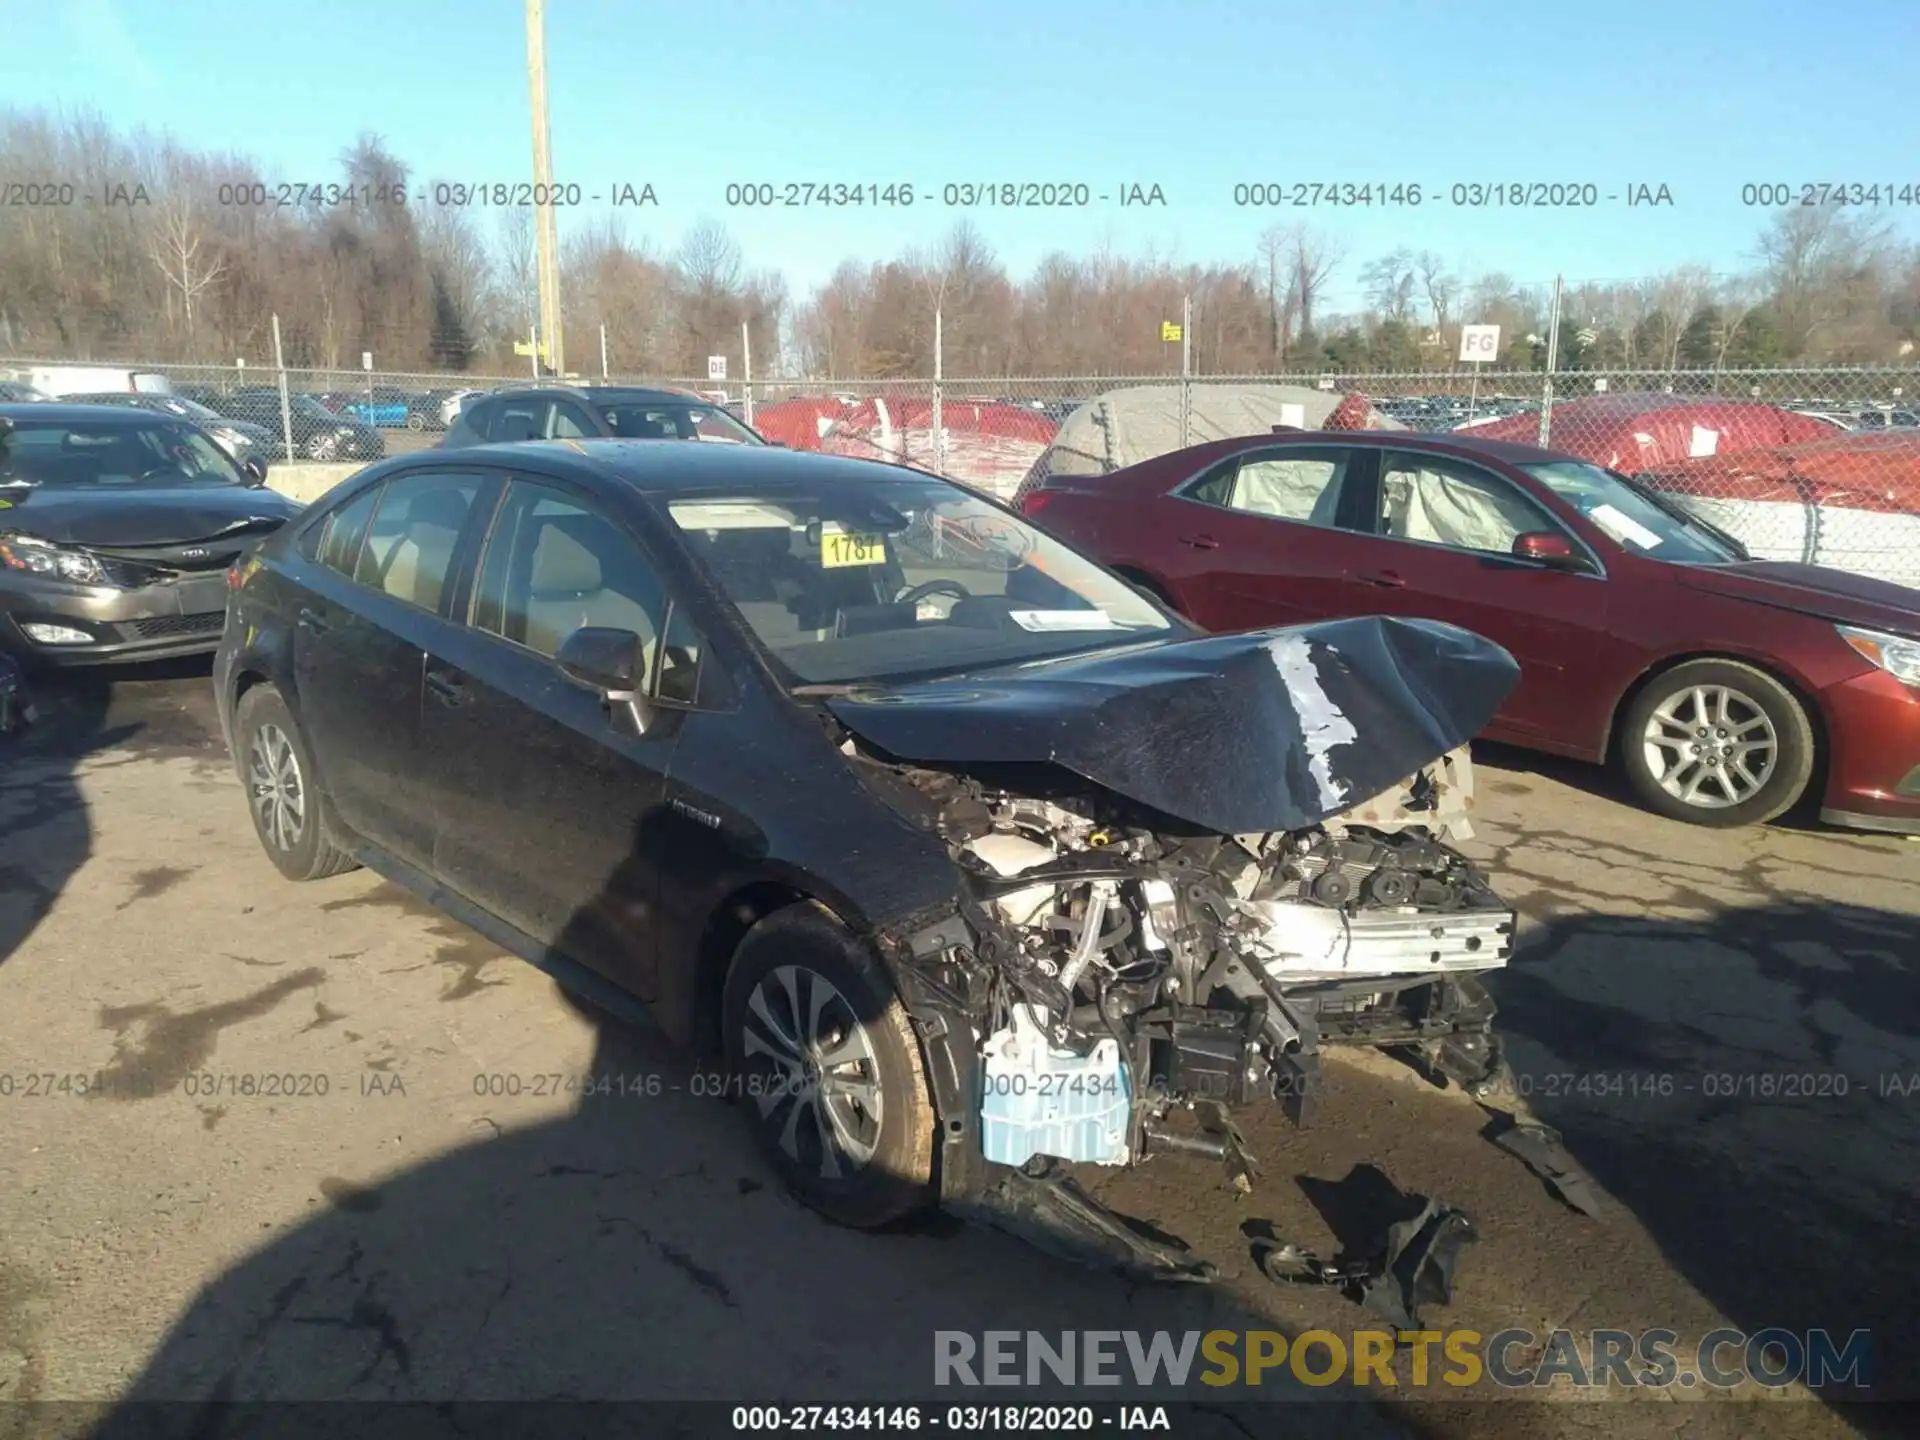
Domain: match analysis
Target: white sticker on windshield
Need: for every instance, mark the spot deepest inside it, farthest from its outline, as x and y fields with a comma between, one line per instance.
x=1056, y=620
x=1623, y=527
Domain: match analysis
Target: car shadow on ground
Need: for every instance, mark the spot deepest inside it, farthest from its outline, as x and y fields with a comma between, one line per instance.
x=638, y=1249
x=45, y=833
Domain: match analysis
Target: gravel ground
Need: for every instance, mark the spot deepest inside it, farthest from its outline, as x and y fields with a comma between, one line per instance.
x=1721, y=1024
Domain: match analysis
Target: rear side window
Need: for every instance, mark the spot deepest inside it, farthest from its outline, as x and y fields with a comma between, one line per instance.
x=477, y=416
x=1297, y=483
x=340, y=537
x=415, y=535
x=524, y=419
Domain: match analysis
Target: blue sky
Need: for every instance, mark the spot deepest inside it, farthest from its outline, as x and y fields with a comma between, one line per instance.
x=1192, y=95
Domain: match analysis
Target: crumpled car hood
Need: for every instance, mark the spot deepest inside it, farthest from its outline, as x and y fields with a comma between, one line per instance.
x=1237, y=734
x=84, y=515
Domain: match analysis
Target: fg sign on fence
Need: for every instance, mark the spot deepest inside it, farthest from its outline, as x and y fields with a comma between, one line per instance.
x=716, y=367
x=1480, y=343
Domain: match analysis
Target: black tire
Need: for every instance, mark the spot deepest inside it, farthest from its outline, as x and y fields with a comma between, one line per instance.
x=416, y=423
x=266, y=740
x=807, y=946
x=1751, y=703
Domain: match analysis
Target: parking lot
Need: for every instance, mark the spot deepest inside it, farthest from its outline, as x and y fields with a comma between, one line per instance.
x=1724, y=1026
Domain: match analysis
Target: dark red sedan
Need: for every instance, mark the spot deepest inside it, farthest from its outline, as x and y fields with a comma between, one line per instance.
x=1723, y=686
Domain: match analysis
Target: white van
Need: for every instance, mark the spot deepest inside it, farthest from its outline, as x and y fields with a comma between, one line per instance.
x=58, y=380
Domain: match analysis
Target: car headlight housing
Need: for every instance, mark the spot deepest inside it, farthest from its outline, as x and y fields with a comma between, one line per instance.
x=28, y=554
x=1895, y=654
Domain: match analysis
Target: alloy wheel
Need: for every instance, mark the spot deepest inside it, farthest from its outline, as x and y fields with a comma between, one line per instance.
x=1710, y=746
x=812, y=1072
x=275, y=788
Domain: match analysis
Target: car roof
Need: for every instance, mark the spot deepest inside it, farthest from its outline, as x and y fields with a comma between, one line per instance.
x=1463, y=441
x=59, y=410
x=638, y=394
x=678, y=467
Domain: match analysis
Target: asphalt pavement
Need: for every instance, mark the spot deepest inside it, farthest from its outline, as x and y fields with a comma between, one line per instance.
x=332, y=1143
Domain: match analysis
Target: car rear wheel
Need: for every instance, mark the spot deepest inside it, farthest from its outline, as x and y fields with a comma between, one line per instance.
x=1718, y=743
x=828, y=1068
x=289, y=809
x=416, y=423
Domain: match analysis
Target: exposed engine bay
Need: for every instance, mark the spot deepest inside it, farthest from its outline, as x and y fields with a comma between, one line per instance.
x=1116, y=971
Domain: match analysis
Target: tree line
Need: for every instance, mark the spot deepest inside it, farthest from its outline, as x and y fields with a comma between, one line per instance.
x=165, y=260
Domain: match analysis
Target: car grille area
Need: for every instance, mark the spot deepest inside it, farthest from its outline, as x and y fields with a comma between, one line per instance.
x=162, y=627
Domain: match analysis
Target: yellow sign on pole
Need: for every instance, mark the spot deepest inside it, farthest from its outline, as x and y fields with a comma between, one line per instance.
x=525, y=347
x=1169, y=331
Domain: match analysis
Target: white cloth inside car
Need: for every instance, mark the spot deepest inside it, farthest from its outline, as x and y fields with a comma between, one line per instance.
x=1445, y=509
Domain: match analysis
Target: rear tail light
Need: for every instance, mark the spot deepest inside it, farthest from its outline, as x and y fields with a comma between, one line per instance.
x=1034, y=501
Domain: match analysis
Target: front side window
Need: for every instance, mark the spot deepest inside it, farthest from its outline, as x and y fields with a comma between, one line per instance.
x=1295, y=484
x=415, y=534
x=553, y=566
x=106, y=457
x=844, y=578
x=1442, y=501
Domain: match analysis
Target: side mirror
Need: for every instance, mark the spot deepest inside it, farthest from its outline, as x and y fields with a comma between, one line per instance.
x=255, y=470
x=1551, y=549
x=611, y=662
x=602, y=659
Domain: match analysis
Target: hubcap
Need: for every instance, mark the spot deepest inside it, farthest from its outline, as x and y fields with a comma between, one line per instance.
x=1710, y=746
x=273, y=785
x=812, y=1072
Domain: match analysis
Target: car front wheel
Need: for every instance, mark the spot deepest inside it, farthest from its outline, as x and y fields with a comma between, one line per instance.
x=289, y=809
x=1718, y=743
x=828, y=1068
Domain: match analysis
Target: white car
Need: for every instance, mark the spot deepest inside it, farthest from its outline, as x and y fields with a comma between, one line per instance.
x=451, y=407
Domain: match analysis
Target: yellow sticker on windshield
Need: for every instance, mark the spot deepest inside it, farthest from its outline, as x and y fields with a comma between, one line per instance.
x=839, y=549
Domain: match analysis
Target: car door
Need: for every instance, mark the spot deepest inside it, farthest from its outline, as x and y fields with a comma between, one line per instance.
x=1269, y=536
x=550, y=800
x=1446, y=528
x=377, y=602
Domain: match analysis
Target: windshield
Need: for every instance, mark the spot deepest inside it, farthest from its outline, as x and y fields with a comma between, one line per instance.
x=632, y=421
x=1628, y=517
x=102, y=457
x=193, y=409
x=848, y=580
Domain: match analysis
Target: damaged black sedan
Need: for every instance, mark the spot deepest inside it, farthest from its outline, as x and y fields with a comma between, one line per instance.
x=971, y=862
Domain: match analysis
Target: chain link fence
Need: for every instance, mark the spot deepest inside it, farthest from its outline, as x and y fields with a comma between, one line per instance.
x=1817, y=466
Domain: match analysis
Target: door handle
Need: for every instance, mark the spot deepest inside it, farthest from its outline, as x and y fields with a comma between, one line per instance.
x=449, y=687
x=1386, y=579
x=313, y=620
x=1200, y=542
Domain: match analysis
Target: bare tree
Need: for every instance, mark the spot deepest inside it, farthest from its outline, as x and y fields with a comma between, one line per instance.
x=180, y=248
x=1390, y=283
x=1441, y=289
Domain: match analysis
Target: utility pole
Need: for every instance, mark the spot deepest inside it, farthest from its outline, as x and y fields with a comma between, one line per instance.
x=546, y=228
